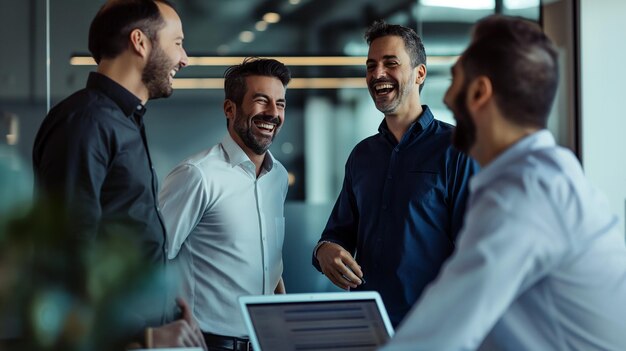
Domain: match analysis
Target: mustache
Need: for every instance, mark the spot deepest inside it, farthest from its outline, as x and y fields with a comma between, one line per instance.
x=267, y=118
x=381, y=80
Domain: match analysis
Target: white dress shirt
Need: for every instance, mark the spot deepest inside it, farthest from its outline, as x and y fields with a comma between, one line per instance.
x=540, y=263
x=225, y=230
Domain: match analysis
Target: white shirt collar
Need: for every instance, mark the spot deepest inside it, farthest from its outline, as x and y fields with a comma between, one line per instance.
x=237, y=156
x=538, y=140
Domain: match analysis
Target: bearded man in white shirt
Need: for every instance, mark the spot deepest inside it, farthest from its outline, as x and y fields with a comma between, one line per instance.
x=541, y=260
x=224, y=207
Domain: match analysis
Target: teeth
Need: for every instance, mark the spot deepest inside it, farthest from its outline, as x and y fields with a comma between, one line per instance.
x=268, y=126
x=383, y=86
x=172, y=73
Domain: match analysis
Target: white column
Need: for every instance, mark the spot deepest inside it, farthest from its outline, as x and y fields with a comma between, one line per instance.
x=603, y=75
x=318, y=149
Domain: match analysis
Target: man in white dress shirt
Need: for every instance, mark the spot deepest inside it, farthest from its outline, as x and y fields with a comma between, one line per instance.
x=223, y=207
x=541, y=261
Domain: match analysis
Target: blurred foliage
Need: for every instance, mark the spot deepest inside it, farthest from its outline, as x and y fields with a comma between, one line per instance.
x=63, y=294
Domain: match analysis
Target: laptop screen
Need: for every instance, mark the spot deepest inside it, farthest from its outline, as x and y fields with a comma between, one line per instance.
x=340, y=324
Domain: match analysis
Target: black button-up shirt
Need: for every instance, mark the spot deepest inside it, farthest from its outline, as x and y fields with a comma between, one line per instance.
x=91, y=155
x=400, y=209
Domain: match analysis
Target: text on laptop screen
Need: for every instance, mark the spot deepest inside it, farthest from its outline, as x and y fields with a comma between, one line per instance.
x=319, y=325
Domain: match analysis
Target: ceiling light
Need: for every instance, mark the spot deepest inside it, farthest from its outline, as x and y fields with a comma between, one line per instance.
x=271, y=17
x=461, y=4
x=294, y=2
x=521, y=4
x=260, y=26
x=287, y=60
x=246, y=36
x=223, y=49
x=295, y=83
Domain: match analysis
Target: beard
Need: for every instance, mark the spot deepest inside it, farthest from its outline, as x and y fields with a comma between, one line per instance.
x=156, y=74
x=464, y=135
x=243, y=124
x=402, y=92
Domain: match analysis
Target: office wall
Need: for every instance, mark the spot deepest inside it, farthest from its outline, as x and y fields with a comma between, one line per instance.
x=603, y=56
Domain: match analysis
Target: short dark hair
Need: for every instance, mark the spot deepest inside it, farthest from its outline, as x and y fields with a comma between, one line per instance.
x=235, y=76
x=412, y=42
x=522, y=64
x=110, y=29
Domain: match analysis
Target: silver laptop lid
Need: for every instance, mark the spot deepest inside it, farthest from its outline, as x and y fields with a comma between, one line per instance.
x=318, y=321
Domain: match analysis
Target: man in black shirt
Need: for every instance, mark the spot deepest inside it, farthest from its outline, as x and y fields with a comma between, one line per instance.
x=91, y=154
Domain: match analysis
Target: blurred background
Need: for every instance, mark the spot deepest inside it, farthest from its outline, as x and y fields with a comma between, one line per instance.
x=45, y=58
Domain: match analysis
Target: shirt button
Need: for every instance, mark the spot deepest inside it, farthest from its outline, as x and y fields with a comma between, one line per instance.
x=139, y=107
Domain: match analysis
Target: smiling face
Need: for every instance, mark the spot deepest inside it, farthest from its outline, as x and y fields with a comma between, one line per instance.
x=257, y=121
x=167, y=56
x=390, y=78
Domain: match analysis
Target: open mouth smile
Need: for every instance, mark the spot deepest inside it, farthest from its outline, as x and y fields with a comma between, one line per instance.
x=383, y=88
x=266, y=128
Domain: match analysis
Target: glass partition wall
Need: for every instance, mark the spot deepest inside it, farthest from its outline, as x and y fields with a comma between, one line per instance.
x=328, y=107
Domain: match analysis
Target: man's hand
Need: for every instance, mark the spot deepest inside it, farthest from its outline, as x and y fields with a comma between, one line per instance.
x=339, y=266
x=180, y=333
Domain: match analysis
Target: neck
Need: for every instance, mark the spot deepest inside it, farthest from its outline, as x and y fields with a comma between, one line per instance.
x=126, y=74
x=399, y=123
x=256, y=159
x=497, y=139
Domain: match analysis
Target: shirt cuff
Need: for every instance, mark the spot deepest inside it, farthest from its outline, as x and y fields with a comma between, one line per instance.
x=319, y=244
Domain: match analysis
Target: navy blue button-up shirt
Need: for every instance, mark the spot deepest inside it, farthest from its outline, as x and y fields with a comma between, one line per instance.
x=400, y=209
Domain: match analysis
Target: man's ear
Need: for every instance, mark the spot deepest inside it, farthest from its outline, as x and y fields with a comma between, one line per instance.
x=230, y=108
x=139, y=42
x=420, y=75
x=479, y=93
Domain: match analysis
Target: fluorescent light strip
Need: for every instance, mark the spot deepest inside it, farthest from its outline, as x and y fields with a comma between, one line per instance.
x=296, y=83
x=287, y=60
x=461, y=4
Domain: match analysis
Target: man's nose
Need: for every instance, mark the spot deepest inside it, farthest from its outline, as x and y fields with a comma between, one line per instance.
x=184, y=60
x=272, y=109
x=379, y=72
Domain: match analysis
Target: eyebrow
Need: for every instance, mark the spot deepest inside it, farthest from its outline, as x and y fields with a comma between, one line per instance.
x=386, y=57
x=256, y=95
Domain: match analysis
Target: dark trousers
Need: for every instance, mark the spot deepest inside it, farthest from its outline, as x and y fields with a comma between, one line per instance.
x=221, y=343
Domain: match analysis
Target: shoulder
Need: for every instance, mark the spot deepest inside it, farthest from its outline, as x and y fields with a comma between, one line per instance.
x=546, y=176
x=368, y=144
x=85, y=109
x=443, y=127
x=208, y=158
x=280, y=170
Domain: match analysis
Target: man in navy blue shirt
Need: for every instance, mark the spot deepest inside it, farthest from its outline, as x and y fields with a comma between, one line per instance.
x=404, y=192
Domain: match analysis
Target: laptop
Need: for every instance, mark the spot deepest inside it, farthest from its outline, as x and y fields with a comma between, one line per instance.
x=318, y=321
